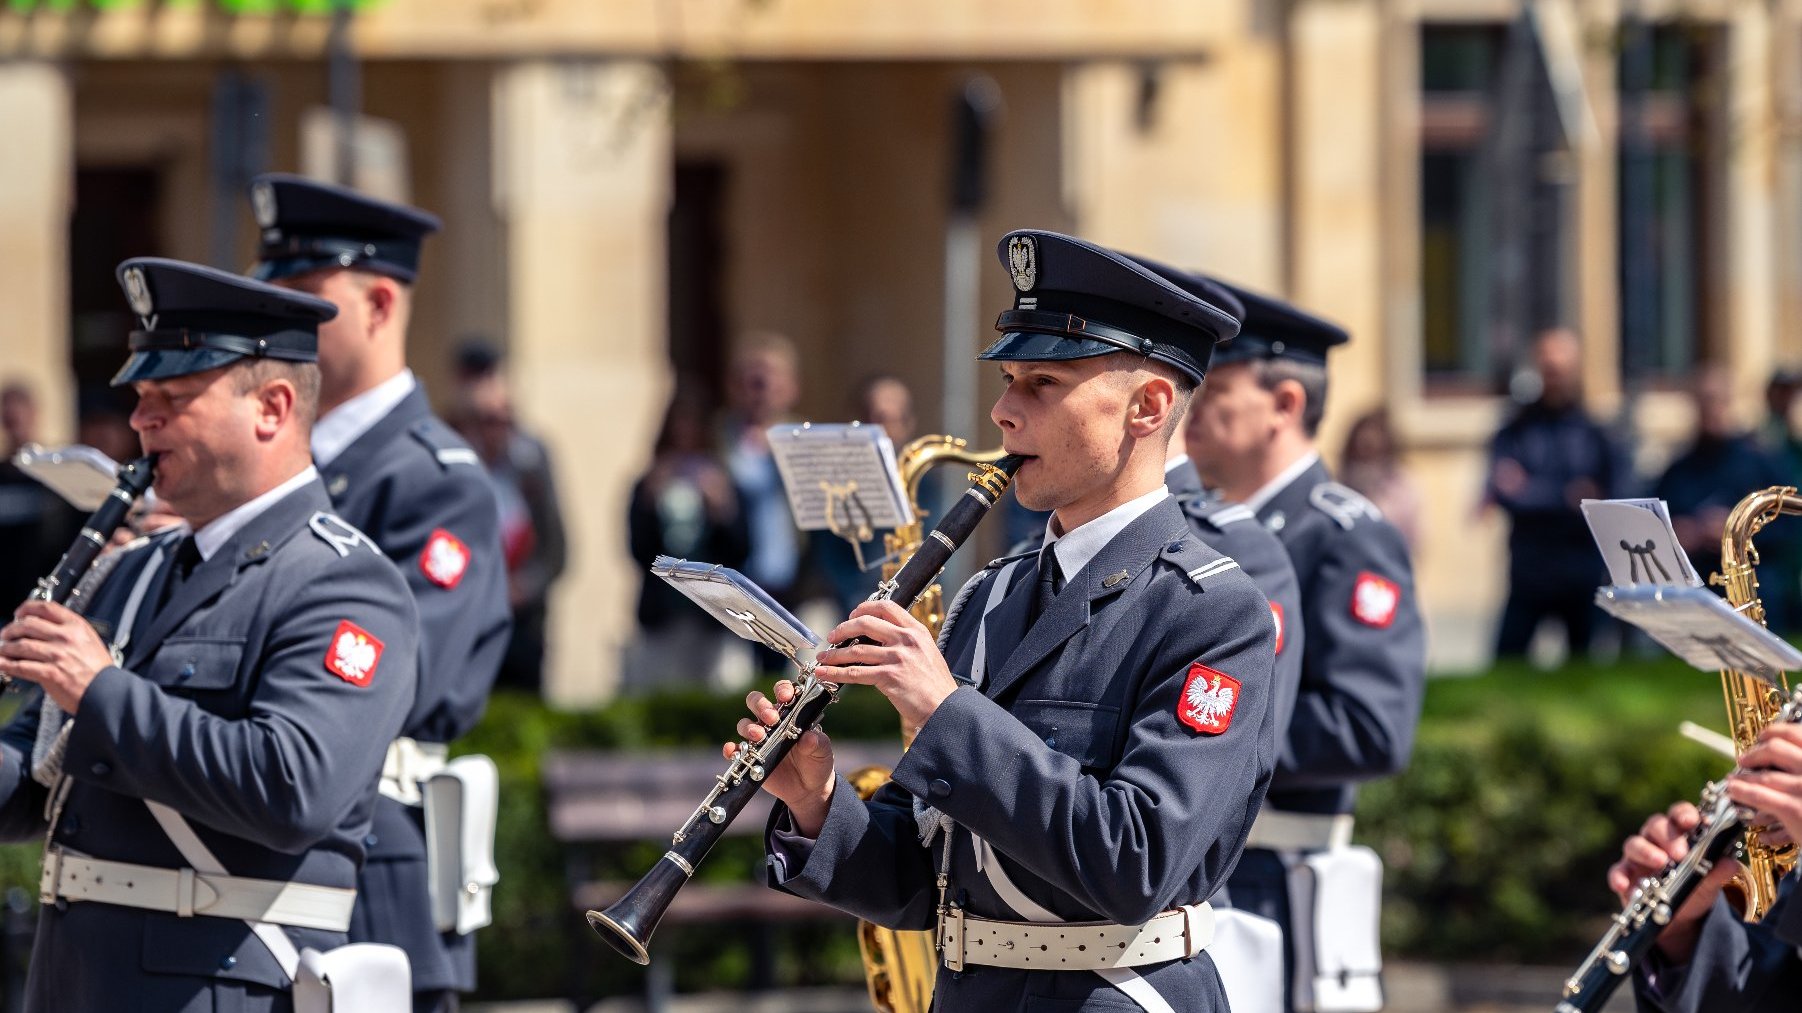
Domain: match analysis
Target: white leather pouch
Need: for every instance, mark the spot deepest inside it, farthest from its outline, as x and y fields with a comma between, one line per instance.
x=357, y=978
x=461, y=806
x=1335, y=900
x=1248, y=952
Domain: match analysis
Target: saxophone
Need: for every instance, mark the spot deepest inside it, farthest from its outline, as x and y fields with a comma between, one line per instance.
x=1753, y=703
x=900, y=966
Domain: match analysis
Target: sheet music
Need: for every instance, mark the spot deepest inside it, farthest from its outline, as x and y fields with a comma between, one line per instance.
x=1638, y=543
x=841, y=478
x=1699, y=626
x=80, y=474
x=738, y=603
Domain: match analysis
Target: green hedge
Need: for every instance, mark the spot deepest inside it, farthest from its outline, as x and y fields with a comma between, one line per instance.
x=1495, y=840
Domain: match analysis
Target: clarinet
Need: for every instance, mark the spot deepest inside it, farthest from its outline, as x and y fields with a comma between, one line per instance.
x=627, y=925
x=1656, y=899
x=63, y=583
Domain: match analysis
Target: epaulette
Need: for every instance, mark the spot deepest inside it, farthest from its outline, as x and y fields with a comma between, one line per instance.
x=1187, y=555
x=446, y=446
x=339, y=533
x=1216, y=513
x=969, y=588
x=1343, y=504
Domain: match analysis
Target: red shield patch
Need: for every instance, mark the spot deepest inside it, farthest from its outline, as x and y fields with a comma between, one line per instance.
x=1208, y=701
x=1375, y=600
x=1276, y=614
x=353, y=654
x=444, y=559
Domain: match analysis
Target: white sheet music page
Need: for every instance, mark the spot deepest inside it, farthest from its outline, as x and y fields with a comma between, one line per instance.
x=1699, y=626
x=738, y=603
x=841, y=478
x=1638, y=543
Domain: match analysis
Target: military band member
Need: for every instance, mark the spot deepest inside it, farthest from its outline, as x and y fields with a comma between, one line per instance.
x=1096, y=734
x=398, y=472
x=233, y=696
x=1708, y=960
x=1251, y=434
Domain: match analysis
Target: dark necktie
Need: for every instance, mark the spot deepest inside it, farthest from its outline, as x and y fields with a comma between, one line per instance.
x=181, y=566
x=1051, y=581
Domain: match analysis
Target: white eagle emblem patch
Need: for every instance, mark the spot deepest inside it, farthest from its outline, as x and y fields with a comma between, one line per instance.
x=1023, y=262
x=353, y=654
x=262, y=204
x=137, y=293
x=1374, y=600
x=444, y=559
x=1209, y=698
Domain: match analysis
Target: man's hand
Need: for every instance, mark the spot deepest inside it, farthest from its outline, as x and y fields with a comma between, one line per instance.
x=1771, y=782
x=55, y=648
x=1508, y=477
x=902, y=661
x=1662, y=840
x=803, y=780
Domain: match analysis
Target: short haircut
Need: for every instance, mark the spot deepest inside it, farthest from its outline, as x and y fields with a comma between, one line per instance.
x=1310, y=375
x=252, y=373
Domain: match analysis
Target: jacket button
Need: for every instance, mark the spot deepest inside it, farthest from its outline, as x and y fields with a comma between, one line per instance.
x=101, y=768
x=369, y=842
x=228, y=962
x=939, y=788
x=186, y=673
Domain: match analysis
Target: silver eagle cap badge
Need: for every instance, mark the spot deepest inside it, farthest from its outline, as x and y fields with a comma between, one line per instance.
x=1023, y=262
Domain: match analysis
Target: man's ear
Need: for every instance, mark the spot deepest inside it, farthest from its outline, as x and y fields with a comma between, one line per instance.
x=275, y=406
x=382, y=297
x=1154, y=408
x=1291, y=401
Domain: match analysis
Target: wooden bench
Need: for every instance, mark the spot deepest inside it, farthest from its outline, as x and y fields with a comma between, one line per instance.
x=604, y=800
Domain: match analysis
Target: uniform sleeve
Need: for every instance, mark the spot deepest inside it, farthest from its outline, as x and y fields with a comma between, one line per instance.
x=1268, y=566
x=464, y=619
x=1365, y=675
x=21, y=798
x=311, y=743
x=856, y=838
x=1749, y=968
x=1124, y=842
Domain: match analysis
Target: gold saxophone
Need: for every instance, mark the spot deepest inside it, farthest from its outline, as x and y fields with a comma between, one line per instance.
x=900, y=966
x=1752, y=702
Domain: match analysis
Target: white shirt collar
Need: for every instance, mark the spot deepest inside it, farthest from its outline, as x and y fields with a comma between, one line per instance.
x=1258, y=499
x=1075, y=548
x=1175, y=463
x=337, y=429
x=220, y=529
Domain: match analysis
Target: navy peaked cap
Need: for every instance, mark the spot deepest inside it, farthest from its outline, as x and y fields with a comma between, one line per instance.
x=1075, y=300
x=1274, y=329
x=306, y=225
x=196, y=318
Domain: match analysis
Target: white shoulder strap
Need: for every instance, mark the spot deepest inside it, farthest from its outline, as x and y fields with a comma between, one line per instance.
x=997, y=591
x=202, y=859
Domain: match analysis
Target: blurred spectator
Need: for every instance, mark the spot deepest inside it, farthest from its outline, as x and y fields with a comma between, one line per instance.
x=1720, y=467
x=1543, y=463
x=27, y=509
x=525, y=490
x=1372, y=465
x=1777, y=435
x=882, y=400
x=763, y=386
x=685, y=506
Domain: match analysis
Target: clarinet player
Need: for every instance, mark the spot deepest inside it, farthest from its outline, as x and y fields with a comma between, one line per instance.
x=1707, y=959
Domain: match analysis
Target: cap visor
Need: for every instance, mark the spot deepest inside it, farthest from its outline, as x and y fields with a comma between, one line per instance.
x=160, y=364
x=1026, y=346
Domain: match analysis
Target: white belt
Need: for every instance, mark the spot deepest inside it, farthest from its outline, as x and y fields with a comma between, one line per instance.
x=1176, y=934
x=1280, y=831
x=188, y=893
x=409, y=762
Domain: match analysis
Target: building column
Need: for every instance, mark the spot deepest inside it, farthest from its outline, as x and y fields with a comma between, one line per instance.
x=1749, y=276
x=583, y=168
x=37, y=107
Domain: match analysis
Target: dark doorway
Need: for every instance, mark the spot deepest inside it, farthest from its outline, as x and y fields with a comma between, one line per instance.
x=115, y=218
x=697, y=267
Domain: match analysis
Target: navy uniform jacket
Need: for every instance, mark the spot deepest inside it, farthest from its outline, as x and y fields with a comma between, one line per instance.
x=1738, y=967
x=419, y=491
x=1363, y=670
x=1071, y=763
x=226, y=710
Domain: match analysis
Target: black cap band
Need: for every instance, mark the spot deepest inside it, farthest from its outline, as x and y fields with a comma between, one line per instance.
x=299, y=254
x=1072, y=326
x=295, y=346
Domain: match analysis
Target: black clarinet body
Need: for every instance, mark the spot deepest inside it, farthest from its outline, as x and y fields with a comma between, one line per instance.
x=134, y=479
x=627, y=924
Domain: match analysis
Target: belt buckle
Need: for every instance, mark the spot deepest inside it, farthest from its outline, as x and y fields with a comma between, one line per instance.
x=50, y=885
x=952, y=924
